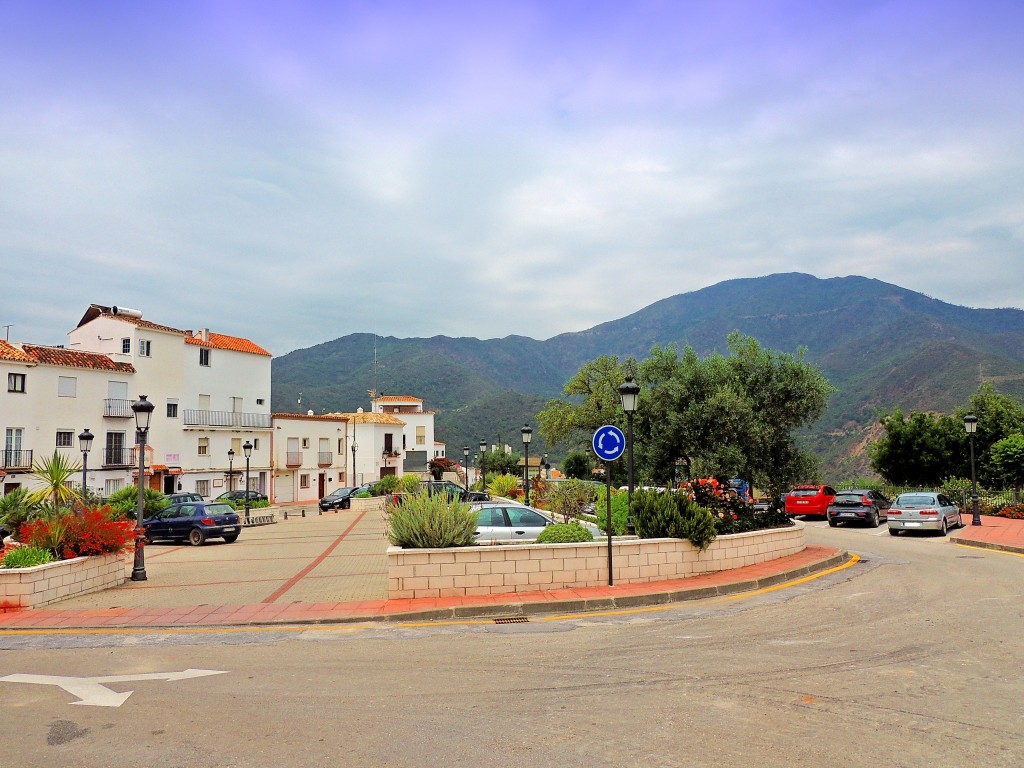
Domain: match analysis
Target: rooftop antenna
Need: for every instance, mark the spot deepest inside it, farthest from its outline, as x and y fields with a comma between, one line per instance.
x=299, y=402
x=7, y=332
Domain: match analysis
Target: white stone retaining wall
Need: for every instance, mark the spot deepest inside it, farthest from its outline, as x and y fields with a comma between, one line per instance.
x=22, y=588
x=372, y=504
x=486, y=570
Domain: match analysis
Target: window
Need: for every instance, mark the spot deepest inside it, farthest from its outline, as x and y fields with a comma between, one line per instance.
x=145, y=348
x=112, y=486
x=421, y=435
x=236, y=445
x=305, y=442
x=255, y=443
x=67, y=386
x=204, y=446
x=204, y=357
x=341, y=445
x=126, y=346
x=259, y=401
x=204, y=402
x=172, y=409
x=203, y=487
x=303, y=481
x=64, y=438
x=15, y=382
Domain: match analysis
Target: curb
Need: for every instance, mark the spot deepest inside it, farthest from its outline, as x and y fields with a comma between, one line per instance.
x=987, y=545
x=583, y=605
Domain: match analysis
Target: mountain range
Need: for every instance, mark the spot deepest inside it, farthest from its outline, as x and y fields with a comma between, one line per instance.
x=881, y=346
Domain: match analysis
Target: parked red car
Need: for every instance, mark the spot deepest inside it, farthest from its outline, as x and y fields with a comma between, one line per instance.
x=810, y=500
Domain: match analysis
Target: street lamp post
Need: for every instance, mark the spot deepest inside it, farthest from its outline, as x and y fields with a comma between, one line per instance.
x=143, y=410
x=628, y=391
x=483, y=464
x=465, y=455
x=247, y=450
x=231, y=469
x=527, y=436
x=355, y=447
x=971, y=426
x=547, y=467
x=85, y=443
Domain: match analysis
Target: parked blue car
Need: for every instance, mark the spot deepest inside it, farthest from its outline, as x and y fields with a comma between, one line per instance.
x=195, y=522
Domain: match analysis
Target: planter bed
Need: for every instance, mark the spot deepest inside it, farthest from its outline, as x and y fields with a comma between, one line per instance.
x=22, y=588
x=510, y=568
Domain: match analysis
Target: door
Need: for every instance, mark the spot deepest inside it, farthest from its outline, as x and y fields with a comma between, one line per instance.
x=388, y=471
x=168, y=484
x=526, y=524
x=491, y=525
x=321, y=484
x=12, y=447
x=114, y=453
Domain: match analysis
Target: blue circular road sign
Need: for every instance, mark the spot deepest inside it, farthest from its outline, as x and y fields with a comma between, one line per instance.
x=609, y=443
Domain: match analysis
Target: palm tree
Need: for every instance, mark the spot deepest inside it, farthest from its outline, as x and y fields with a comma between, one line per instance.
x=54, y=473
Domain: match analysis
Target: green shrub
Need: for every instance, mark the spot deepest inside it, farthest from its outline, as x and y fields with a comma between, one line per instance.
x=124, y=502
x=562, y=533
x=570, y=498
x=410, y=483
x=26, y=557
x=676, y=516
x=386, y=485
x=620, y=511
x=506, y=486
x=424, y=521
x=363, y=495
x=14, y=510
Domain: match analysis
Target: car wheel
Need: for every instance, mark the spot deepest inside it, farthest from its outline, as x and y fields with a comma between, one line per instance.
x=833, y=523
x=231, y=539
x=196, y=537
x=894, y=532
x=873, y=522
x=945, y=527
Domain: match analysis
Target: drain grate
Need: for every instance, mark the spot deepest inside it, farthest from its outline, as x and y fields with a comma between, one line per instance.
x=513, y=620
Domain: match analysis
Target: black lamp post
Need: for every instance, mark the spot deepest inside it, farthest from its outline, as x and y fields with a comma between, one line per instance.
x=628, y=391
x=247, y=450
x=465, y=455
x=355, y=447
x=85, y=444
x=483, y=464
x=527, y=436
x=143, y=410
x=231, y=469
x=971, y=426
x=547, y=467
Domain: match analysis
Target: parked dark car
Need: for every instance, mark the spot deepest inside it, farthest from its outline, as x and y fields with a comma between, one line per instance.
x=450, y=489
x=177, y=498
x=340, y=498
x=865, y=506
x=194, y=522
x=239, y=496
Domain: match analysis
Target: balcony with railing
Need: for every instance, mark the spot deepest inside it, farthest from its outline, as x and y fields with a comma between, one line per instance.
x=197, y=418
x=293, y=459
x=118, y=457
x=117, y=409
x=325, y=458
x=17, y=459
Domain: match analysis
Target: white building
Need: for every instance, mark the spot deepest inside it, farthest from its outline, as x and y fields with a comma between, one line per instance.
x=211, y=392
x=310, y=456
x=417, y=443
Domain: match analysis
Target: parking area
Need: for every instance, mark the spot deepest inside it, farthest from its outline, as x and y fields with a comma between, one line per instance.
x=336, y=557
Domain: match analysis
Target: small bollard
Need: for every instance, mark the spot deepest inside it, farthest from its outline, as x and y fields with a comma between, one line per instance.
x=303, y=511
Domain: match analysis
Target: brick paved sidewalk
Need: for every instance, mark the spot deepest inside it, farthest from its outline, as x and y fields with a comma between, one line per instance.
x=276, y=609
x=993, y=533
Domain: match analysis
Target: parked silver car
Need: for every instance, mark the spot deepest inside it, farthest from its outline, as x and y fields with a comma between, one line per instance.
x=923, y=511
x=503, y=521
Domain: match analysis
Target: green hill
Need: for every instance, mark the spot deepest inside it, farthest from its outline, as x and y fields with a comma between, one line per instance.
x=881, y=345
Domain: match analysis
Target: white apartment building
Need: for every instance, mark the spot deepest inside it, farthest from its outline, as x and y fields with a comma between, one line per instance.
x=211, y=392
x=310, y=456
x=417, y=443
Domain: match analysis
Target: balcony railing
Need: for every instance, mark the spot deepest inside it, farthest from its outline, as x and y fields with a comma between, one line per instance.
x=326, y=458
x=17, y=459
x=194, y=418
x=117, y=409
x=293, y=459
x=118, y=457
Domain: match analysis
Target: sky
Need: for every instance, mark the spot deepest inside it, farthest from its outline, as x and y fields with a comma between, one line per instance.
x=295, y=172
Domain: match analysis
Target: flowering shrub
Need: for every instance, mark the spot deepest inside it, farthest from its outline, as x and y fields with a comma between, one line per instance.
x=439, y=465
x=506, y=486
x=1012, y=511
x=92, y=532
x=732, y=513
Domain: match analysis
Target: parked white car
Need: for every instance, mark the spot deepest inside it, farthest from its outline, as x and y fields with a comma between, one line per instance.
x=923, y=511
x=500, y=522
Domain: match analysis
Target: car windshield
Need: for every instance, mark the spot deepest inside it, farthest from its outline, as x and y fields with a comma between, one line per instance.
x=916, y=500
x=804, y=492
x=341, y=492
x=850, y=496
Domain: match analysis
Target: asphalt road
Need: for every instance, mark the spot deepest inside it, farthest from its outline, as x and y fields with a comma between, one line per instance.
x=909, y=658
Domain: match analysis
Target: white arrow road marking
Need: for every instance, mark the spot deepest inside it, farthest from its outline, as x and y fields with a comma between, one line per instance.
x=92, y=692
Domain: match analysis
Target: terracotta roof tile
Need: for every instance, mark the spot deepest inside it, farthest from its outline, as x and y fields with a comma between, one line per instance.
x=315, y=417
x=368, y=417
x=10, y=352
x=71, y=358
x=398, y=398
x=234, y=343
